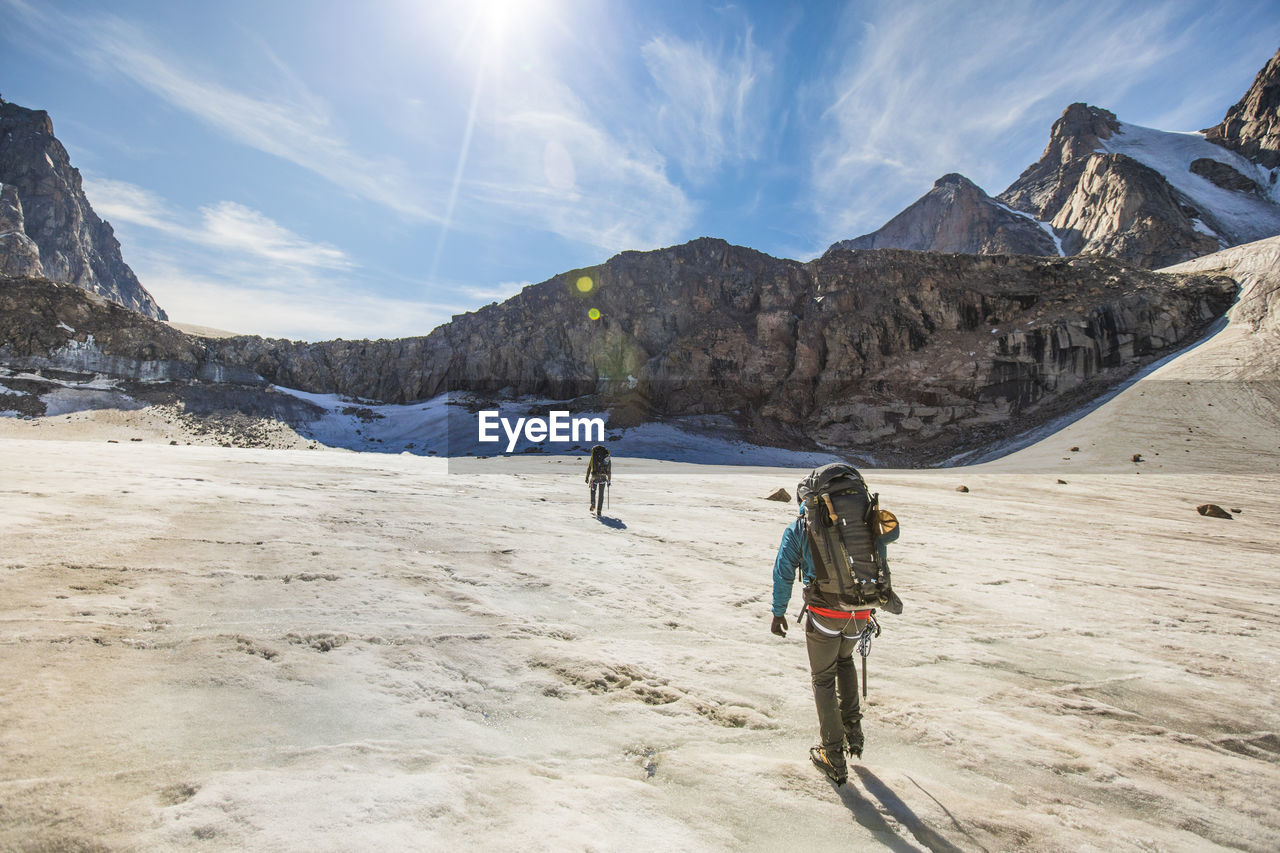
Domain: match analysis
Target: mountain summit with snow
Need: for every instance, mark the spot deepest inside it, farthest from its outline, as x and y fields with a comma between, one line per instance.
x=1105, y=187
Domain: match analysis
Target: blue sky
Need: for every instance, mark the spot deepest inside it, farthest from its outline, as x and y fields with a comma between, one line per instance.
x=367, y=169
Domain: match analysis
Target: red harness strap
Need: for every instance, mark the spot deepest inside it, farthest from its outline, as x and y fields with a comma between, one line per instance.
x=840, y=614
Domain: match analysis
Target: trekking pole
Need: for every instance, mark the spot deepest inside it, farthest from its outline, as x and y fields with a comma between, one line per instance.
x=608, y=494
x=864, y=647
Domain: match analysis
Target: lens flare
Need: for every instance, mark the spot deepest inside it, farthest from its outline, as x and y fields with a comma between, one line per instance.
x=585, y=284
x=594, y=313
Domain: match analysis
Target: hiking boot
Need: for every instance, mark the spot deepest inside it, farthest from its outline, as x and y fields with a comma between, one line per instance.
x=854, y=740
x=835, y=773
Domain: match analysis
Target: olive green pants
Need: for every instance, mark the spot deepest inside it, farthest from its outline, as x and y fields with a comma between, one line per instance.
x=831, y=643
x=597, y=497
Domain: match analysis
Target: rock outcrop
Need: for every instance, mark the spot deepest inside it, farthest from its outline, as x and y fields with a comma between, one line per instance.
x=45, y=324
x=1120, y=208
x=1222, y=175
x=1252, y=126
x=1044, y=186
x=911, y=356
x=73, y=244
x=957, y=216
x=19, y=254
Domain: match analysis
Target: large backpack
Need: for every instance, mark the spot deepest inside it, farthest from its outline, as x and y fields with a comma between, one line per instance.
x=844, y=523
x=601, y=466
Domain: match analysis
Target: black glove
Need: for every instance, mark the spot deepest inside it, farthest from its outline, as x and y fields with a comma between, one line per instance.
x=779, y=626
x=892, y=603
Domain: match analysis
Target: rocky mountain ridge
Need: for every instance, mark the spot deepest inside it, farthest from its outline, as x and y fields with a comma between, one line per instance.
x=1104, y=187
x=47, y=226
x=1252, y=126
x=907, y=356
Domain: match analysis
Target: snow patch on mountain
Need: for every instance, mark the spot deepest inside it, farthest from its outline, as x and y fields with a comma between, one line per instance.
x=1044, y=226
x=1243, y=216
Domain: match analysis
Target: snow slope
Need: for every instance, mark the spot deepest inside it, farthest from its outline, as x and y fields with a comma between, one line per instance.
x=1242, y=217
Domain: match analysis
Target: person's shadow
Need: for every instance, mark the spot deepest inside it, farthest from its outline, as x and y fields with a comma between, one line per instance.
x=865, y=813
x=614, y=523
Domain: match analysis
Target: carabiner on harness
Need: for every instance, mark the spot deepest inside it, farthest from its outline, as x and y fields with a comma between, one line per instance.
x=871, y=631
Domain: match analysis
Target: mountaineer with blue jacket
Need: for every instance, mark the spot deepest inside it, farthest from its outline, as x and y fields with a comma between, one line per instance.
x=830, y=634
x=833, y=621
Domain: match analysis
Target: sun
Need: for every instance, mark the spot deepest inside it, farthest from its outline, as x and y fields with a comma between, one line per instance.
x=501, y=18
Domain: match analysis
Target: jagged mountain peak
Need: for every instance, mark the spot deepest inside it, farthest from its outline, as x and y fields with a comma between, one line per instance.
x=46, y=204
x=1041, y=188
x=1252, y=125
x=958, y=216
x=956, y=179
x=1079, y=130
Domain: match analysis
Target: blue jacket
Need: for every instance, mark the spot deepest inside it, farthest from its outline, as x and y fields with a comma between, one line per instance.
x=794, y=551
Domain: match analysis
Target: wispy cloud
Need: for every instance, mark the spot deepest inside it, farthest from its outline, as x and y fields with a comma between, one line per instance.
x=709, y=111
x=575, y=179
x=926, y=89
x=229, y=266
x=225, y=226
x=562, y=156
x=235, y=227
x=292, y=123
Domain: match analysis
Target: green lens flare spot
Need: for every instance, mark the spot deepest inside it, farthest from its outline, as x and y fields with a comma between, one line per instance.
x=594, y=313
x=585, y=284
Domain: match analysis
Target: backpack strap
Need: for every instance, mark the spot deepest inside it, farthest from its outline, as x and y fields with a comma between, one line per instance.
x=838, y=538
x=829, y=555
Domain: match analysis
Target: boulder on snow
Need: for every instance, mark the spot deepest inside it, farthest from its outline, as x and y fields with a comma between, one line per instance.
x=781, y=495
x=1213, y=511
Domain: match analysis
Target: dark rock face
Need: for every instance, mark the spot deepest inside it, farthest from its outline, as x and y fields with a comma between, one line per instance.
x=74, y=245
x=910, y=356
x=1223, y=175
x=957, y=216
x=44, y=323
x=1252, y=126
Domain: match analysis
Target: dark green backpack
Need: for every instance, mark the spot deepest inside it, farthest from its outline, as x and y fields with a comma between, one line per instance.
x=601, y=465
x=844, y=523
